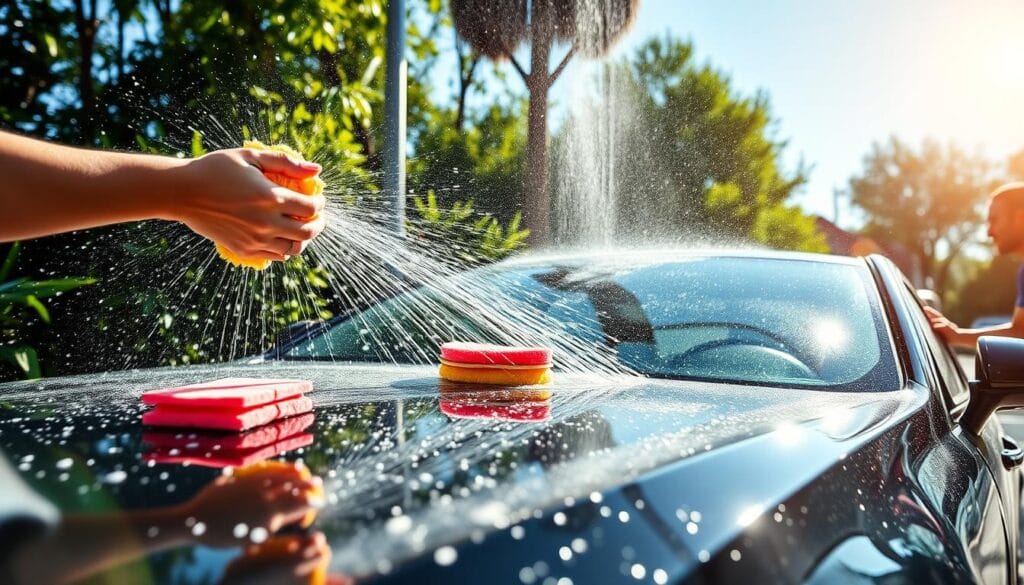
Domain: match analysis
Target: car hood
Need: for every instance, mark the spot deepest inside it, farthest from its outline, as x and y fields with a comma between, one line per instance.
x=409, y=470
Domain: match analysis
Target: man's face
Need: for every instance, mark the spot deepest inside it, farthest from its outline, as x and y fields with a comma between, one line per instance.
x=1004, y=227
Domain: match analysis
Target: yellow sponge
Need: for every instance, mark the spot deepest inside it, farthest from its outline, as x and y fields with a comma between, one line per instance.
x=307, y=186
x=512, y=376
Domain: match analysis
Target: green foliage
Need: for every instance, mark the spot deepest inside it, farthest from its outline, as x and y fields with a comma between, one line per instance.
x=788, y=228
x=485, y=162
x=35, y=58
x=472, y=237
x=692, y=157
x=928, y=200
x=21, y=304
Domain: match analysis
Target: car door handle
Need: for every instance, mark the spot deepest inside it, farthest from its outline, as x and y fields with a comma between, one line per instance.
x=1013, y=455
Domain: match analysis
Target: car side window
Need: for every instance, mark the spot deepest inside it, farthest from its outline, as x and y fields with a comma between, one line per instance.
x=954, y=382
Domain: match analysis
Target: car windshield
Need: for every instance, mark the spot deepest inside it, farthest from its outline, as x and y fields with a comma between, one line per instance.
x=768, y=321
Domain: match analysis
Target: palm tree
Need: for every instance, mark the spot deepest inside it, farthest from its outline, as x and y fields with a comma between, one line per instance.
x=496, y=28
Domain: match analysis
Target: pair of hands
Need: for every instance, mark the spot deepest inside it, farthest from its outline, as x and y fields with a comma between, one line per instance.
x=226, y=198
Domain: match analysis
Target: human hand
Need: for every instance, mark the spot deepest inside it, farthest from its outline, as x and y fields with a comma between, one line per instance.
x=270, y=499
x=942, y=326
x=223, y=196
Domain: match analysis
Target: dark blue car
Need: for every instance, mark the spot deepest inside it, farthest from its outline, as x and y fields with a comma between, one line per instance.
x=768, y=418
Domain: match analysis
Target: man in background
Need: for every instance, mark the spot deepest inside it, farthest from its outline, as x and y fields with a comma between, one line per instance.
x=1006, y=229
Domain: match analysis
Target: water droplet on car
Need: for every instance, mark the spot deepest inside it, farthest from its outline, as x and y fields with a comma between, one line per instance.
x=115, y=477
x=398, y=525
x=258, y=534
x=445, y=556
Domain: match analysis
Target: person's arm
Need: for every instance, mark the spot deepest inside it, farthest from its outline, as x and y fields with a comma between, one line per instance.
x=47, y=188
x=968, y=338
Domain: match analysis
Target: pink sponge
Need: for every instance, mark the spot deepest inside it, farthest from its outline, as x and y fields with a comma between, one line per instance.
x=228, y=457
x=229, y=393
x=512, y=412
x=216, y=449
x=228, y=419
x=189, y=440
x=487, y=354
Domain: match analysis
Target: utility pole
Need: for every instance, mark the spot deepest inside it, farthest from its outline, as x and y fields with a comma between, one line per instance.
x=395, y=83
x=836, y=194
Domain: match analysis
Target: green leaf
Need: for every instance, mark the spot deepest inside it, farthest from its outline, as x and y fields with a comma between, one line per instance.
x=40, y=308
x=51, y=44
x=24, y=358
x=8, y=264
x=197, y=144
x=42, y=288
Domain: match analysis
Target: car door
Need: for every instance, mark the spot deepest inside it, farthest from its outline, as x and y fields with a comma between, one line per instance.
x=993, y=552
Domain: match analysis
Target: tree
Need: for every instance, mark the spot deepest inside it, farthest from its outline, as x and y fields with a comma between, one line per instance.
x=691, y=158
x=928, y=200
x=496, y=29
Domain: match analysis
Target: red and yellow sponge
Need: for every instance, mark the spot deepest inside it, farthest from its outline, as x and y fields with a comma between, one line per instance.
x=307, y=186
x=482, y=363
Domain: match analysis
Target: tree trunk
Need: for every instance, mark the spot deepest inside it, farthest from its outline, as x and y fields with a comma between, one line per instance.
x=85, y=25
x=465, y=79
x=466, y=71
x=537, y=213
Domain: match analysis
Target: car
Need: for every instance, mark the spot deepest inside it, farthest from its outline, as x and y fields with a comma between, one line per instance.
x=990, y=320
x=767, y=417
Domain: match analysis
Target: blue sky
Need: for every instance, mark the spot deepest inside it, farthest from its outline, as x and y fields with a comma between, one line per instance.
x=841, y=75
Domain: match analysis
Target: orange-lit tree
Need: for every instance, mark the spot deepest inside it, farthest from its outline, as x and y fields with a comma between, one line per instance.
x=929, y=200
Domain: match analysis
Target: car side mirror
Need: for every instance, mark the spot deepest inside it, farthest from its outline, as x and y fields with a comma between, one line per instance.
x=999, y=369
